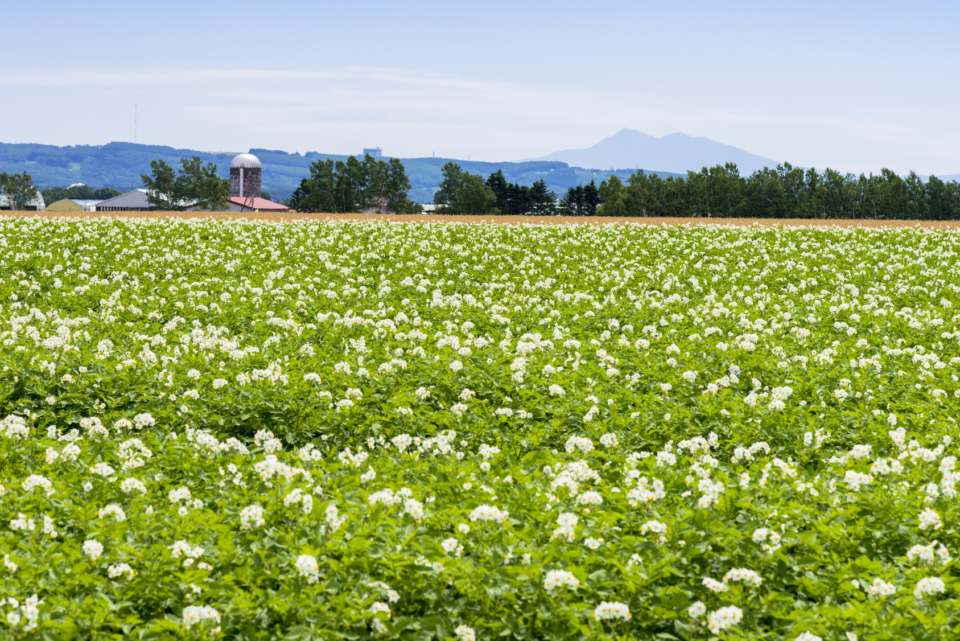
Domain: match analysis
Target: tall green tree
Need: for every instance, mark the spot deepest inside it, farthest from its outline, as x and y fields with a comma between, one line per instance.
x=19, y=188
x=613, y=193
x=370, y=185
x=321, y=187
x=591, y=198
x=201, y=186
x=194, y=184
x=514, y=199
x=938, y=201
x=377, y=176
x=542, y=200
x=501, y=189
x=350, y=183
x=298, y=196
x=398, y=185
x=573, y=202
x=164, y=191
x=463, y=193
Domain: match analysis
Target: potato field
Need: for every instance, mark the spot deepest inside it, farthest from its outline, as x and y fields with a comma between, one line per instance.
x=336, y=430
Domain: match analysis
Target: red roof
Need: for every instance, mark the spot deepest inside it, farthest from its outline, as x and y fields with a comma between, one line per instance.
x=258, y=203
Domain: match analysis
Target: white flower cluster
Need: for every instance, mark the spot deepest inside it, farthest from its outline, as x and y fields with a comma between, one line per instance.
x=307, y=567
x=559, y=579
x=929, y=587
x=201, y=614
x=611, y=612
x=488, y=513
x=251, y=517
x=22, y=615
x=724, y=619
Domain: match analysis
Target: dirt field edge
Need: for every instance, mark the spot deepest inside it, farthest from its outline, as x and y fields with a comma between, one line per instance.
x=500, y=220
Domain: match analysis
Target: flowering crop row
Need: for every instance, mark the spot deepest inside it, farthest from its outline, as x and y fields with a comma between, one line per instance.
x=475, y=431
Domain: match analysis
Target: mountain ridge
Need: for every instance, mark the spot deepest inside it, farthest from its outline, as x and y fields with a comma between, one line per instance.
x=675, y=153
x=119, y=165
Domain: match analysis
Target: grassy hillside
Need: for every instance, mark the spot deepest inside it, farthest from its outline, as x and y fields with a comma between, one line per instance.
x=119, y=165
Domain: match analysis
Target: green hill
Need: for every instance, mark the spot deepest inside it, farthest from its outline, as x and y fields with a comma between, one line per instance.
x=119, y=165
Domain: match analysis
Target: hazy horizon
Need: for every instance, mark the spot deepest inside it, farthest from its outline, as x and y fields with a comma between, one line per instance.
x=854, y=87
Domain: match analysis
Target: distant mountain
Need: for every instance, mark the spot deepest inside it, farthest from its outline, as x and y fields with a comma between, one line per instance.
x=951, y=178
x=677, y=153
x=120, y=164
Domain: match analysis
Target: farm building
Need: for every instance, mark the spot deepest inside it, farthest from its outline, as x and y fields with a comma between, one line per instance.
x=249, y=204
x=135, y=200
x=87, y=205
x=37, y=204
x=245, y=176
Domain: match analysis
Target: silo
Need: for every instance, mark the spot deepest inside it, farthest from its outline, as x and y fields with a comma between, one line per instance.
x=245, y=176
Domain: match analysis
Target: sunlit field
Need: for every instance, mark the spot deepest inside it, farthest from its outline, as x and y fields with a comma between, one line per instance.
x=346, y=430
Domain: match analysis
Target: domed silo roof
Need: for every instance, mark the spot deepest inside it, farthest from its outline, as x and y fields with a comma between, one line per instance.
x=249, y=161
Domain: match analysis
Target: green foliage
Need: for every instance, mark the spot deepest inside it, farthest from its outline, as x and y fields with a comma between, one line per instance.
x=195, y=184
x=201, y=187
x=78, y=192
x=296, y=199
x=19, y=189
x=518, y=200
x=611, y=194
x=164, y=190
x=582, y=200
x=785, y=192
x=373, y=186
x=348, y=431
x=463, y=193
x=104, y=193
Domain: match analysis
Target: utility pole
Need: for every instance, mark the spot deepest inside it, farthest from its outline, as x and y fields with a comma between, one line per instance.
x=134, y=123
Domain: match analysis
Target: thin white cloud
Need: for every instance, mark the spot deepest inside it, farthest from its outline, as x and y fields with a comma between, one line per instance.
x=412, y=113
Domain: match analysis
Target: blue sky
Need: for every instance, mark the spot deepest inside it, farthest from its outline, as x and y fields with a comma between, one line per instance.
x=852, y=85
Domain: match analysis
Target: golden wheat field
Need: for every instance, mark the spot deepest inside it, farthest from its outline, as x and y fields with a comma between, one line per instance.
x=500, y=220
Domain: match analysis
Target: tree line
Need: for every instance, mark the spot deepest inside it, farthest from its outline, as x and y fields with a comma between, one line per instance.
x=193, y=184
x=461, y=192
x=714, y=192
x=782, y=192
x=353, y=186
x=377, y=186
x=77, y=192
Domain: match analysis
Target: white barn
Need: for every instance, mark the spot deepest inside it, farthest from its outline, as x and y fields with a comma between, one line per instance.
x=37, y=204
x=135, y=200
